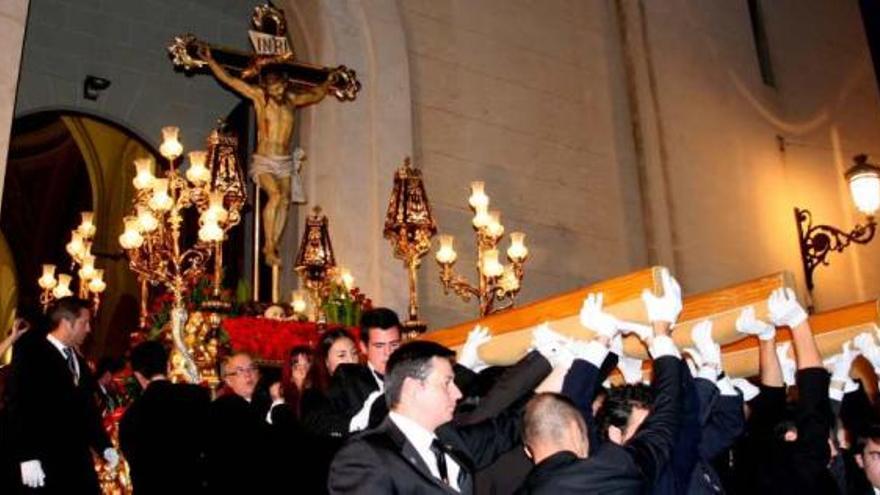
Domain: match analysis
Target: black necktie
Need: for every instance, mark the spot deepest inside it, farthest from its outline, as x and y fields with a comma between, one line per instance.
x=437, y=449
x=71, y=363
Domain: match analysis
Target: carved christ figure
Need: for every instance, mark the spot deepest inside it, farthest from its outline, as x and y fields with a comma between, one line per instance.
x=273, y=166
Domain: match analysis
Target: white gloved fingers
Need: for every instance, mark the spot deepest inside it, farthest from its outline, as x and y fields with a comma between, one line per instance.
x=32, y=474
x=112, y=457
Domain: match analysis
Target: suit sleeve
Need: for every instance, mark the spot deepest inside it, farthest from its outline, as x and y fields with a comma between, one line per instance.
x=813, y=417
x=651, y=447
x=357, y=468
x=27, y=411
x=515, y=384
x=722, y=419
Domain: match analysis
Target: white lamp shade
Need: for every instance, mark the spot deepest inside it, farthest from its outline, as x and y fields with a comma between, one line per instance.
x=865, y=190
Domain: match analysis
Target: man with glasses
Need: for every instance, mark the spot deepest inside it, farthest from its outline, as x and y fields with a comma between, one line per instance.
x=241, y=452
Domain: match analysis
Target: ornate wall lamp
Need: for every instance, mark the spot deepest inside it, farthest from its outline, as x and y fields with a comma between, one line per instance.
x=817, y=241
x=497, y=283
x=409, y=225
x=91, y=279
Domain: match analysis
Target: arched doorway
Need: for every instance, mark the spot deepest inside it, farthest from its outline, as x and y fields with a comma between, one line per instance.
x=60, y=164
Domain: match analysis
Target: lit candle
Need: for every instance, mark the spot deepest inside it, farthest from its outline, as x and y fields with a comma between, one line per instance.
x=494, y=227
x=88, y=268
x=478, y=198
x=517, y=250
x=210, y=232
x=347, y=278
x=446, y=253
x=298, y=301
x=481, y=217
x=87, y=225
x=198, y=173
x=76, y=246
x=491, y=267
x=63, y=287
x=147, y=222
x=170, y=147
x=161, y=201
x=216, y=212
x=144, y=176
x=47, y=280
x=97, y=284
x=131, y=237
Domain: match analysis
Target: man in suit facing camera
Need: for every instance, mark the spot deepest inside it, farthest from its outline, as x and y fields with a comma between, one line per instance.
x=54, y=420
x=416, y=449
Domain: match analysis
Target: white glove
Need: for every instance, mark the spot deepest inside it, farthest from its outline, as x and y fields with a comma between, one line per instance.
x=748, y=324
x=468, y=356
x=593, y=352
x=748, y=390
x=553, y=346
x=665, y=308
x=785, y=310
x=865, y=343
x=700, y=368
x=789, y=367
x=630, y=368
x=112, y=457
x=361, y=420
x=701, y=334
x=842, y=363
x=32, y=475
x=593, y=318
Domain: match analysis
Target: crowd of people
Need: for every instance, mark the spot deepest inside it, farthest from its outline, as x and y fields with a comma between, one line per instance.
x=370, y=414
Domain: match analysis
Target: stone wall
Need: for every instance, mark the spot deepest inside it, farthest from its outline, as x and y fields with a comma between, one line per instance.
x=13, y=17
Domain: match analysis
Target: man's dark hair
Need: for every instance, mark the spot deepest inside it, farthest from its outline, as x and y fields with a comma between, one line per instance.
x=411, y=360
x=66, y=308
x=548, y=416
x=870, y=432
x=382, y=318
x=149, y=359
x=109, y=364
x=618, y=406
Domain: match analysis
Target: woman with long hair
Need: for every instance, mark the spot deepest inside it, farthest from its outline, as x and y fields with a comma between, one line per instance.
x=297, y=377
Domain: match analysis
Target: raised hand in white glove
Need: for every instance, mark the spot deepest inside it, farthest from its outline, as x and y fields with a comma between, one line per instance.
x=468, y=355
x=593, y=351
x=785, y=310
x=748, y=324
x=789, y=367
x=701, y=334
x=841, y=364
x=699, y=367
x=593, y=318
x=748, y=390
x=32, y=475
x=643, y=332
x=112, y=457
x=553, y=346
x=630, y=368
x=665, y=308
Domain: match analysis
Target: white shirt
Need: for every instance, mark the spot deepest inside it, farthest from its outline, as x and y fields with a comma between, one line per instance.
x=62, y=349
x=421, y=439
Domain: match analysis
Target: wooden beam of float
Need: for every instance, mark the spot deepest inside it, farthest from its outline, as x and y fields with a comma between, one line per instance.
x=511, y=330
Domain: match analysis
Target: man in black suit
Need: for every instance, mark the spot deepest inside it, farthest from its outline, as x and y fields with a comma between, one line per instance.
x=242, y=450
x=162, y=434
x=356, y=389
x=53, y=417
x=416, y=449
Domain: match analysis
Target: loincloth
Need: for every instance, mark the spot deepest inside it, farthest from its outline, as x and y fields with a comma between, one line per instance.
x=281, y=166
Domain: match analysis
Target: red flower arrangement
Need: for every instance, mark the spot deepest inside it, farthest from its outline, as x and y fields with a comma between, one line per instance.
x=270, y=340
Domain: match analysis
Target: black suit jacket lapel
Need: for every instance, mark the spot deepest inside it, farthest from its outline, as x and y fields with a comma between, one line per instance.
x=411, y=455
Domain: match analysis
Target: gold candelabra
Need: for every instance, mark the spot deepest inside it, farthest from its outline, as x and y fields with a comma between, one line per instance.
x=153, y=237
x=91, y=280
x=409, y=225
x=497, y=283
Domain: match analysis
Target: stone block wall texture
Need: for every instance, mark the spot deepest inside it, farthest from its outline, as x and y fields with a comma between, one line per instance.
x=13, y=18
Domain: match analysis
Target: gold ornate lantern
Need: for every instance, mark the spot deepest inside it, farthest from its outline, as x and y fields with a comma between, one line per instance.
x=497, y=283
x=91, y=279
x=315, y=262
x=409, y=225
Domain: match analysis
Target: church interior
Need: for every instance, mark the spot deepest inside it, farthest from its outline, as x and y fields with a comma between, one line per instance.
x=463, y=163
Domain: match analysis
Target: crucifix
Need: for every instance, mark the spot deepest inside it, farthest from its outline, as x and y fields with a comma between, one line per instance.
x=277, y=85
